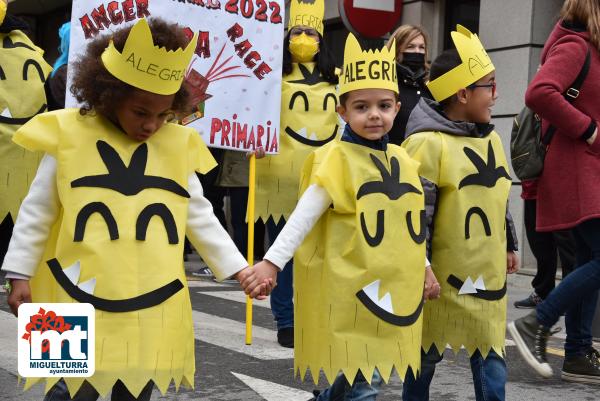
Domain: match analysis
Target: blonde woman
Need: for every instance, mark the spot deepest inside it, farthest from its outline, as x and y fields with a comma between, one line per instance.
x=568, y=190
x=413, y=70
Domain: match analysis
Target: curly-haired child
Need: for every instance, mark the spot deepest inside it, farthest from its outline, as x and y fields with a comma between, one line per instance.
x=106, y=216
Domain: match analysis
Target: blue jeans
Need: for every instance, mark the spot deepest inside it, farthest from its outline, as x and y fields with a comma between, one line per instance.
x=577, y=294
x=86, y=392
x=282, y=304
x=360, y=390
x=489, y=377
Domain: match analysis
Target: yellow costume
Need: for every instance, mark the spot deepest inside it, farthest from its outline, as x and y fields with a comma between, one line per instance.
x=120, y=228
x=308, y=120
x=469, y=239
x=118, y=238
x=23, y=72
x=359, y=273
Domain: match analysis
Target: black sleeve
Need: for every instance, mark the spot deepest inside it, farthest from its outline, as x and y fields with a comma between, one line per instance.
x=512, y=244
x=431, y=194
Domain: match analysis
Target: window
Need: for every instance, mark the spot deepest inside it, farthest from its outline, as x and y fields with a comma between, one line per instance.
x=464, y=12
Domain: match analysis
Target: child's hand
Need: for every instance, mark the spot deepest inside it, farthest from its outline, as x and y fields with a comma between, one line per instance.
x=265, y=289
x=262, y=273
x=258, y=152
x=512, y=262
x=432, y=288
x=19, y=294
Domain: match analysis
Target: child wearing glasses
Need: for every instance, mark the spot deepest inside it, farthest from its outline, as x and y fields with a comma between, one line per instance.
x=471, y=239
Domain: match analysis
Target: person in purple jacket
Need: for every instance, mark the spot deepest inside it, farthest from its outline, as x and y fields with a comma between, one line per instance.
x=569, y=190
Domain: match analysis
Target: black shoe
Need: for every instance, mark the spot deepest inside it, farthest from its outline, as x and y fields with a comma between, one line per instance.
x=531, y=338
x=530, y=302
x=285, y=337
x=582, y=368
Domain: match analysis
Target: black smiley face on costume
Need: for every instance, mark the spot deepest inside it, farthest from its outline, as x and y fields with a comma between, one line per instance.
x=487, y=175
x=391, y=186
x=31, y=71
x=329, y=102
x=476, y=289
x=127, y=180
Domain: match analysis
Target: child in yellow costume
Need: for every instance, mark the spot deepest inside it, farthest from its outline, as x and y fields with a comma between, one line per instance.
x=466, y=185
x=107, y=213
x=308, y=121
x=23, y=72
x=358, y=233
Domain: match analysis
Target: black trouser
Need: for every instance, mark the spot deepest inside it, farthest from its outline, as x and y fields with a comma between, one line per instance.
x=545, y=246
x=6, y=228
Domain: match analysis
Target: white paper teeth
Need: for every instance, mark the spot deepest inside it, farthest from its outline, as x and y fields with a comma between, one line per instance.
x=73, y=271
x=88, y=286
x=6, y=113
x=372, y=291
x=479, y=284
x=470, y=287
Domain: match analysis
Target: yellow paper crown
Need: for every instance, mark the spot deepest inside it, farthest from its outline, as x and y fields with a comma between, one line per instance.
x=2, y=11
x=371, y=69
x=307, y=12
x=475, y=65
x=148, y=67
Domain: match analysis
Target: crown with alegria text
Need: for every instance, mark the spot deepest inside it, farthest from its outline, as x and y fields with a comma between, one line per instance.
x=475, y=65
x=307, y=12
x=368, y=69
x=146, y=66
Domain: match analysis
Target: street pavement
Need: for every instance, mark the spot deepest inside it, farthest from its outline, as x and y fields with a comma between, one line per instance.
x=227, y=369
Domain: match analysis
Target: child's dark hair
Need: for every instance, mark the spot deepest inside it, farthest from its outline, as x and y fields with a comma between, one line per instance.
x=97, y=89
x=443, y=63
x=325, y=61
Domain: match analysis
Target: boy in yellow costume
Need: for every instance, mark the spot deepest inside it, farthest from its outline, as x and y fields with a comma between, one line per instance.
x=23, y=72
x=308, y=121
x=466, y=185
x=107, y=213
x=358, y=233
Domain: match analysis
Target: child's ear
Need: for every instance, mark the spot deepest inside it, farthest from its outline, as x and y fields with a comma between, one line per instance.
x=342, y=112
x=398, y=105
x=462, y=95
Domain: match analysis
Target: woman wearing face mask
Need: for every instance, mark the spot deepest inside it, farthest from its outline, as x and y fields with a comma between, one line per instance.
x=413, y=72
x=308, y=120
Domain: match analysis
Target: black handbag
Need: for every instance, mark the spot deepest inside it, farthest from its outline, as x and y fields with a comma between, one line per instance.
x=528, y=146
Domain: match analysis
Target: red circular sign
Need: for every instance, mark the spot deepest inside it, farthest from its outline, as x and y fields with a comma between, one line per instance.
x=370, y=18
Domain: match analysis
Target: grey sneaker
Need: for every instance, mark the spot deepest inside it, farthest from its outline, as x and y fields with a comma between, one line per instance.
x=530, y=302
x=531, y=338
x=582, y=368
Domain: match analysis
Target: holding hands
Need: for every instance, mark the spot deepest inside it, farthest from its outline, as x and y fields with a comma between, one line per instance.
x=260, y=280
x=431, y=289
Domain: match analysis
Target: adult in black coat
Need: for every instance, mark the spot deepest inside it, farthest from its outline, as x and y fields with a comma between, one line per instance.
x=413, y=72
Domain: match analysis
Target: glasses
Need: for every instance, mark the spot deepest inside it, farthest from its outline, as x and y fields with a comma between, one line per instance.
x=299, y=31
x=490, y=85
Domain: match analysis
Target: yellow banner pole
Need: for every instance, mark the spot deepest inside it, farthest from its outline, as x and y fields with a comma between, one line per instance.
x=250, y=216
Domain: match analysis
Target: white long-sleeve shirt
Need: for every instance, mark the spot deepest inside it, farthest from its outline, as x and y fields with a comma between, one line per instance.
x=41, y=208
